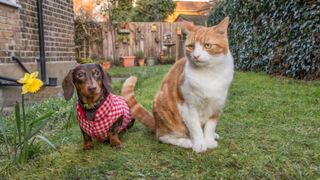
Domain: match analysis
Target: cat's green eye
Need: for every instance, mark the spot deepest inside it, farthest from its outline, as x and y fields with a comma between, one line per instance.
x=191, y=46
x=208, y=46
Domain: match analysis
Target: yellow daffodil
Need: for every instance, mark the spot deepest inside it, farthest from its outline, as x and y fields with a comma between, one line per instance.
x=30, y=83
x=28, y=78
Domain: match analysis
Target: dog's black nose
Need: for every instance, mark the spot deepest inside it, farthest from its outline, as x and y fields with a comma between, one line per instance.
x=92, y=88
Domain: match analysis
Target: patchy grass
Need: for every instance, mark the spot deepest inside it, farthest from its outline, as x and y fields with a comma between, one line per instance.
x=270, y=129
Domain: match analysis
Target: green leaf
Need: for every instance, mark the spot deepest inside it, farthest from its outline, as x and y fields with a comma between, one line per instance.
x=38, y=129
x=259, y=28
x=47, y=141
x=71, y=116
x=4, y=133
x=42, y=119
x=15, y=146
x=36, y=121
x=18, y=121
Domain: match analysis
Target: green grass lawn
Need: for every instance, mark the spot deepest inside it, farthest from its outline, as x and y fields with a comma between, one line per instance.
x=270, y=129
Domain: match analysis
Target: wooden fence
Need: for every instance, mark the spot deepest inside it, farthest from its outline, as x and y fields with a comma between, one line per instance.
x=155, y=39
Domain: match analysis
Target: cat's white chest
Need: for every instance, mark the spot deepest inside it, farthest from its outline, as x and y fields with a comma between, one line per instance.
x=206, y=90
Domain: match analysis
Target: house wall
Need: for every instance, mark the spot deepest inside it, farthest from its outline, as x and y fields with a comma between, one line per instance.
x=9, y=32
x=175, y=15
x=19, y=31
x=19, y=37
x=191, y=7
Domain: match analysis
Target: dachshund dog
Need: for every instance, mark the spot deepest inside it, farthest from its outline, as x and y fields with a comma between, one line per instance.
x=101, y=114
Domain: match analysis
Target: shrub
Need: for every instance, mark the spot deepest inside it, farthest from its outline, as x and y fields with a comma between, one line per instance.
x=85, y=60
x=281, y=37
x=152, y=10
x=167, y=60
x=96, y=57
x=87, y=29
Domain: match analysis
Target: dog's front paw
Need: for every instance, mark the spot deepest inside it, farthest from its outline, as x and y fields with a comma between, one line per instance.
x=199, y=146
x=211, y=143
x=87, y=146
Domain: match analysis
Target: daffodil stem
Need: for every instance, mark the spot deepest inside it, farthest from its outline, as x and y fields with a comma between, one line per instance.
x=25, y=138
x=23, y=116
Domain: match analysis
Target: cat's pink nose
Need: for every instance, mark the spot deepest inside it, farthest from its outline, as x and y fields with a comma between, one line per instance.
x=196, y=57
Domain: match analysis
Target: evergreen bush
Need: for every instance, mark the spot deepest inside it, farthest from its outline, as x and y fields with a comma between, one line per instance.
x=281, y=37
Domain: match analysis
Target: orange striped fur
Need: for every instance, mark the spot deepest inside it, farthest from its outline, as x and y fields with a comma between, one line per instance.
x=167, y=117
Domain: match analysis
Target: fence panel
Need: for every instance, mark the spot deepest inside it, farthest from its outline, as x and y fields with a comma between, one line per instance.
x=146, y=36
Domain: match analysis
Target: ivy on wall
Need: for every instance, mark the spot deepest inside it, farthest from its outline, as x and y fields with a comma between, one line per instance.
x=281, y=37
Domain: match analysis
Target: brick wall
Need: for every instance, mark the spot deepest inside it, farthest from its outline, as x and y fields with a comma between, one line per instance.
x=9, y=32
x=19, y=31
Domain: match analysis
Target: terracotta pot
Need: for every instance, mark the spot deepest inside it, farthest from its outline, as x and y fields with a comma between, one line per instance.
x=106, y=65
x=128, y=61
x=141, y=62
x=126, y=26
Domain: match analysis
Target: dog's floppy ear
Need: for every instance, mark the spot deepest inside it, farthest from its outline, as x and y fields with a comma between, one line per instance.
x=67, y=86
x=106, y=79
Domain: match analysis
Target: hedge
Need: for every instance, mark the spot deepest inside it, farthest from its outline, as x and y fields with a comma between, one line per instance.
x=281, y=37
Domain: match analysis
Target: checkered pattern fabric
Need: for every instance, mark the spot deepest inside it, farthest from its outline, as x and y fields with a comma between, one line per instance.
x=105, y=116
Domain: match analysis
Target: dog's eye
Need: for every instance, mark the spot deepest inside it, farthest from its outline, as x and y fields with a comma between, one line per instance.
x=80, y=75
x=97, y=73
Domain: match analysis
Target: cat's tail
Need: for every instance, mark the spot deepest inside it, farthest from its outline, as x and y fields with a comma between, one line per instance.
x=138, y=111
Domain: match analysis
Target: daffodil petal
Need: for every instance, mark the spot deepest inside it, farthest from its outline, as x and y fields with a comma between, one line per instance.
x=24, y=89
x=21, y=81
x=24, y=79
x=29, y=81
x=34, y=75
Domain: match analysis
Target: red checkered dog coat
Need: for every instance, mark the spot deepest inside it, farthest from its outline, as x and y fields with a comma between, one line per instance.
x=106, y=115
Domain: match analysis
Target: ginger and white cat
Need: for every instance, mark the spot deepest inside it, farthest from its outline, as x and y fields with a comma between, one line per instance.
x=193, y=93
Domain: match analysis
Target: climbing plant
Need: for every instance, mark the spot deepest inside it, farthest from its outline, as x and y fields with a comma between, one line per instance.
x=281, y=37
x=89, y=30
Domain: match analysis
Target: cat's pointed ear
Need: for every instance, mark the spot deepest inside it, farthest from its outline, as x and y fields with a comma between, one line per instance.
x=222, y=27
x=189, y=26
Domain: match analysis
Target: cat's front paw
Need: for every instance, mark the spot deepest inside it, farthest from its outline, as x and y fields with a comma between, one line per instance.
x=185, y=143
x=199, y=146
x=211, y=143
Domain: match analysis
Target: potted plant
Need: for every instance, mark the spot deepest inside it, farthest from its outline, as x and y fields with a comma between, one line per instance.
x=140, y=56
x=122, y=38
x=151, y=61
x=127, y=61
x=106, y=64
